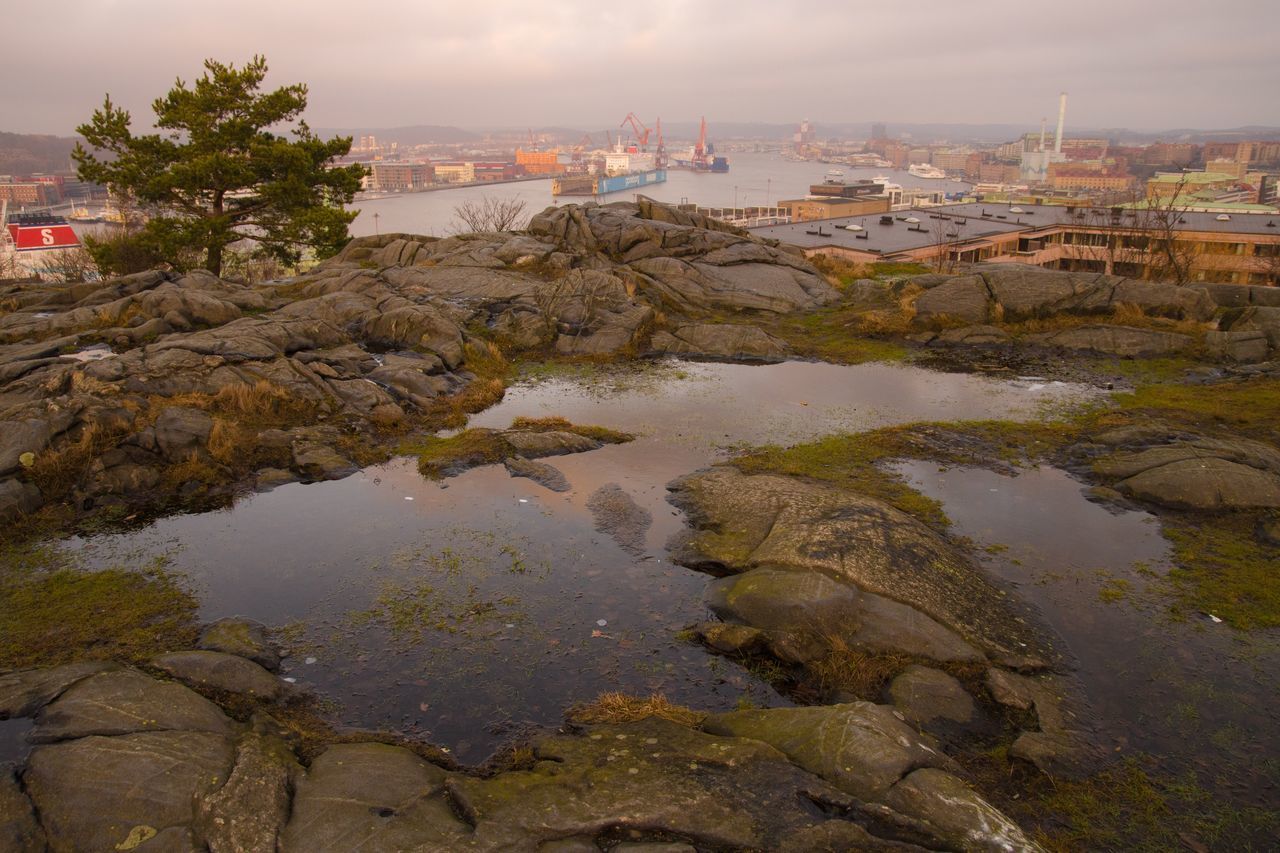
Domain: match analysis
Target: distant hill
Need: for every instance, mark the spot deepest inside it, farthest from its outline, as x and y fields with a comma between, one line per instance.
x=417, y=134
x=22, y=154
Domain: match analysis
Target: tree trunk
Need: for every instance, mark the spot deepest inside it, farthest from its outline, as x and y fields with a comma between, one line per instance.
x=214, y=262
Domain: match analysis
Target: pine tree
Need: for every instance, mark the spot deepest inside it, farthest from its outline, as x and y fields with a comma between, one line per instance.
x=217, y=174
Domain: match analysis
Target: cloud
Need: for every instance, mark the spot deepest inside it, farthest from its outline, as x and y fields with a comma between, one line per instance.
x=585, y=63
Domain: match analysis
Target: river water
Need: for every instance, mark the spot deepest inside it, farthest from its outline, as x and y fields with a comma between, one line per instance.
x=755, y=179
x=464, y=611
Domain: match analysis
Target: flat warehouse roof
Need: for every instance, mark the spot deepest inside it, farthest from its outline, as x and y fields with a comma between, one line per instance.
x=887, y=239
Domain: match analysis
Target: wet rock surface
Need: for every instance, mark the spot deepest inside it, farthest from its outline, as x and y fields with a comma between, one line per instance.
x=1180, y=470
x=244, y=638
x=745, y=521
x=739, y=343
x=747, y=780
x=190, y=370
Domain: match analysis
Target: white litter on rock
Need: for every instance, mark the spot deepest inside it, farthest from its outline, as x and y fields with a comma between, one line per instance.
x=408, y=498
x=310, y=660
x=602, y=622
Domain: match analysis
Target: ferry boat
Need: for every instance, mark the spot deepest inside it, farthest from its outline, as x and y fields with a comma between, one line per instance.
x=924, y=170
x=24, y=237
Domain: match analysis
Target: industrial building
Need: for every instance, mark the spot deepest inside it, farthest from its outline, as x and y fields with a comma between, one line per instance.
x=1234, y=248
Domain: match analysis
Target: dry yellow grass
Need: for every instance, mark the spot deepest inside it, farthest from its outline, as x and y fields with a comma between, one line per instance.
x=621, y=708
x=57, y=469
x=193, y=469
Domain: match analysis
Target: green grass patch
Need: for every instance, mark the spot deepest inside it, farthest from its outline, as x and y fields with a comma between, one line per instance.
x=1125, y=808
x=1221, y=568
x=841, y=334
x=855, y=461
x=898, y=269
x=1250, y=407
x=850, y=461
x=440, y=457
x=52, y=613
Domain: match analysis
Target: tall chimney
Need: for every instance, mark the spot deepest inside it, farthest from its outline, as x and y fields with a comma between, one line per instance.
x=1062, y=118
x=1043, y=120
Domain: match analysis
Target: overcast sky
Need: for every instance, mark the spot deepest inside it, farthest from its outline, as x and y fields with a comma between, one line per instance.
x=1143, y=64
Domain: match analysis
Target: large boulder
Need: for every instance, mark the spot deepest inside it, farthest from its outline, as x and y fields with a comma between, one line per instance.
x=655, y=778
x=1205, y=484
x=372, y=796
x=181, y=431
x=24, y=692
x=720, y=340
x=860, y=747
x=220, y=671
x=925, y=695
x=246, y=638
x=1025, y=292
x=1114, y=340
x=117, y=793
x=746, y=521
x=963, y=298
x=812, y=604
x=955, y=813
x=126, y=701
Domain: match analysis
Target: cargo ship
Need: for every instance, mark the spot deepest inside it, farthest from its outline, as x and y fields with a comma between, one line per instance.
x=605, y=184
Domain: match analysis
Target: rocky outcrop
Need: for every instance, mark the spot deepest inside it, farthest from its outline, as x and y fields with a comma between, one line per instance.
x=922, y=592
x=139, y=375
x=1114, y=340
x=246, y=638
x=1196, y=473
x=804, y=610
x=720, y=341
x=853, y=776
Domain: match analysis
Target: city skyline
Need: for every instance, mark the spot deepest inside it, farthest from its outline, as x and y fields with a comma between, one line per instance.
x=581, y=65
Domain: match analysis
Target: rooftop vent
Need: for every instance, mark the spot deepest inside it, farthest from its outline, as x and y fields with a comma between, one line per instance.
x=886, y=220
x=862, y=236
x=1270, y=224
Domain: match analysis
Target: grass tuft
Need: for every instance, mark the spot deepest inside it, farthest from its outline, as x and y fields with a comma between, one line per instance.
x=621, y=708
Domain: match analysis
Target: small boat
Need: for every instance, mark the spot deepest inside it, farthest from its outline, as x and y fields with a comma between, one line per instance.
x=924, y=170
x=83, y=214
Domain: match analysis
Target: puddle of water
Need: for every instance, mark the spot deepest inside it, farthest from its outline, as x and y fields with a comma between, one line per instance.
x=1196, y=693
x=13, y=740
x=475, y=608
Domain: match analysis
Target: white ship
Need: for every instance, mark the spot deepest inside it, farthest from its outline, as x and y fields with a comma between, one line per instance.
x=924, y=170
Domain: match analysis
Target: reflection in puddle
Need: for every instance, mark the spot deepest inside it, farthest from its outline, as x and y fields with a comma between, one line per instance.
x=1195, y=691
x=488, y=602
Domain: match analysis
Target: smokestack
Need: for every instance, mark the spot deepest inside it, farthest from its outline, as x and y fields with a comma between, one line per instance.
x=1062, y=118
x=1043, y=121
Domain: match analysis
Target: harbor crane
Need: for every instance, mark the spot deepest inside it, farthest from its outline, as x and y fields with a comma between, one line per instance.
x=638, y=128
x=660, y=154
x=700, y=150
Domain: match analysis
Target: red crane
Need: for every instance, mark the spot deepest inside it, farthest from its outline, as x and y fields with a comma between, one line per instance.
x=700, y=150
x=637, y=127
